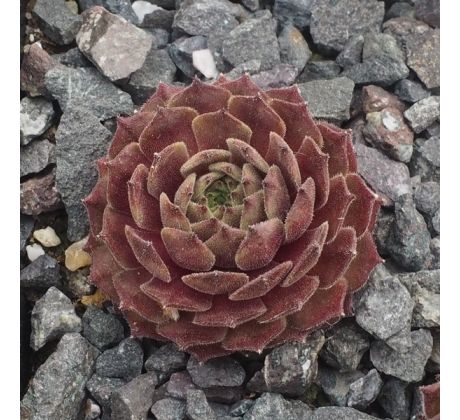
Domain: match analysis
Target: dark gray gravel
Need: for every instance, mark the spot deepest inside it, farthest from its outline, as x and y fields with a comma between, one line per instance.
x=36, y=156
x=42, y=273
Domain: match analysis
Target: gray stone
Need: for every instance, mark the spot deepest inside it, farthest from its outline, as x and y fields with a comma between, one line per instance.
x=181, y=52
x=223, y=371
x=123, y=361
x=220, y=410
x=408, y=366
x=198, y=407
x=56, y=20
x=384, y=308
x=403, y=27
x=428, y=11
x=427, y=197
x=179, y=384
x=365, y=390
x=78, y=283
x=294, y=12
x=318, y=70
x=410, y=91
x=224, y=394
x=36, y=116
x=35, y=64
x=340, y=413
x=165, y=361
x=101, y=329
x=382, y=229
x=134, y=399
x=101, y=389
x=86, y=87
x=254, y=39
x=158, y=18
x=251, y=67
x=400, y=9
x=252, y=5
x=289, y=369
x=81, y=140
x=395, y=399
x=27, y=224
x=57, y=390
x=169, y=409
x=381, y=45
x=345, y=345
x=426, y=159
x=107, y=41
x=72, y=58
x=42, y=273
x=409, y=239
x=423, y=56
x=52, y=316
x=160, y=37
x=329, y=99
x=257, y=383
x=118, y=7
x=389, y=179
x=281, y=75
x=334, y=22
x=36, y=156
x=274, y=406
x=352, y=52
x=435, y=248
x=423, y=113
x=294, y=49
x=158, y=67
x=241, y=407
x=39, y=194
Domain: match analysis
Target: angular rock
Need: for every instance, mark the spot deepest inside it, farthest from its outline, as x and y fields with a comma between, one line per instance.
x=203, y=61
x=36, y=156
x=435, y=248
x=42, y=273
x=382, y=45
x=410, y=91
x=274, y=406
x=101, y=389
x=157, y=18
x=52, y=316
x=78, y=284
x=86, y=87
x=81, y=140
x=365, y=390
x=134, y=399
x=389, y=179
x=101, y=329
x=241, y=407
x=251, y=67
x=257, y=383
x=396, y=399
x=36, y=116
x=293, y=12
x=252, y=5
x=376, y=99
x=57, y=390
x=181, y=52
x=331, y=30
x=428, y=11
x=400, y=9
x=294, y=49
x=39, y=194
x=72, y=58
x=387, y=131
x=403, y=27
x=118, y=7
x=382, y=229
x=254, y=39
x=35, y=64
x=34, y=251
x=427, y=197
x=197, y=407
x=223, y=371
x=281, y=75
x=384, y=309
x=27, y=224
x=47, y=237
x=426, y=159
x=224, y=395
x=423, y=56
x=408, y=366
x=179, y=384
x=107, y=41
x=123, y=361
x=409, y=239
x=423, y=113
x=57, y=21
x=169, y=409
x=92, y=410
x=329, y=99
x=340, y=413
x=345, y=345
x=165, y=361
x=352, y=52
x=319, y=70
x=76, y=257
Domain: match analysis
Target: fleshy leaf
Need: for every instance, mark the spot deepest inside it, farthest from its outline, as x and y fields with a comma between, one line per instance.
x=184, y=193
x=200, y=162
x=232, y=216
x=253, y=210
x=241, y=86
x=140, y=327
x=215, y=282
x=172, y=216
x=224, y=245
x=233, y=171
x=289, y=94
x=250, y=179
x=242, y=153
x=206, y=228
x=335, y=145
x=205, y=353
x=198, y=212
x=161, y=96
x=276, y=194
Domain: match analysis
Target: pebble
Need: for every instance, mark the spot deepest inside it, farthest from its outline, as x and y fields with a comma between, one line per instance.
x=169, y=409
x=435, y=248
x=384, y=309
x=107, y=41
x=423, y=113
x=158, y=18
x=76, y=257
x=86, y=88
x=410, y=91
x=427, y=198
x=409, y=239
x=340, y=413
x=408, y=366
x=351, y=53
x=27, y=225
x=365, y=390
x=223, y=371
x=376, y=99
x=252, y=5
x=274, y=406
x=401, y=28
x=400, y=9
x=35, y=64
x=381, y=45
x=80, y=140
x=101, y=329
x=290, y=369
x=36, y=116
x=387, y=131
x=254, y=39
x=92, y=410
x=423, y=56
x=43, y=273
x=257, y=383
x=52, y=316
x=123, y=361
x=57, y=21
x=426, y=159
x=197, y=407
x=395, y=399
x=34, y=251
x=101, y=389
x=134, y=399
x=178, y=385
x=57, y=389
x=388, y=178
x=203, y=61
x=78, y=284
x=428, y=11
x=118, y=7
x=330, y=30
x=294, y=48
x=293, y=12
x=241, y=407
x=36, y=156
x=72, y=58
x=329, y=99
x=281, y=75
x=166, y=360
x=47, y=237
x=251, y=67
x=345, y=346
x=158, y=67
x=181, y=52
x=318, y=70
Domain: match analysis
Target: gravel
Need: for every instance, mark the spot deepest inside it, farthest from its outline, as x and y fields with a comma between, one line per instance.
x=34, y=66
x=169, y=409
x=42, y=273
x=293, y=12
x=36, y=156
x=197, y=407
x=36, y=116
x=423, y=113
x=223, y=371
x=426, y=159
x=410, y=91
x=165, y=361
x=101, y=389
x=365, y=390
x=396, y=399
x=294, y=48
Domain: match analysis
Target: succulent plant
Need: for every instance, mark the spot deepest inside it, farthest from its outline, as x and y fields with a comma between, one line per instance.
x=225, y=218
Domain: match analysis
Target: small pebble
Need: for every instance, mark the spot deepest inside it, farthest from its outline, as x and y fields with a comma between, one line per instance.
x=203, y=61
x=34, y=251
x=75, y=257
x=47, y=237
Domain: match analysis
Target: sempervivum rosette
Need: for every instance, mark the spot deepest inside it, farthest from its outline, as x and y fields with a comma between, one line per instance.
x=225, y=218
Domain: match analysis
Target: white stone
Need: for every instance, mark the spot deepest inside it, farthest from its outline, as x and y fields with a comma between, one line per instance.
x=203, y=61
x=34, y=251
x=36, y=116
x=47, y=237
x=142, y=8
